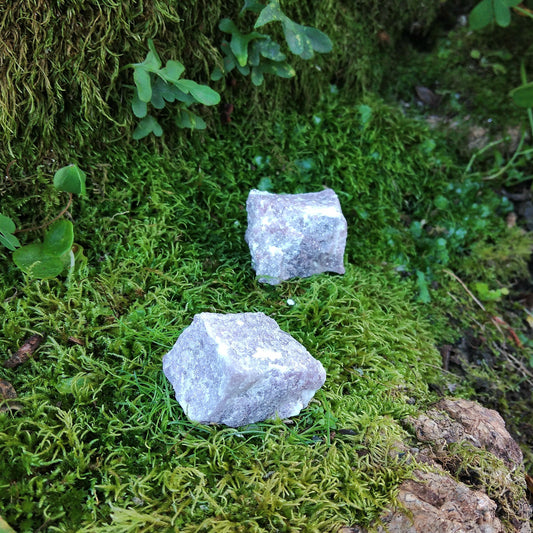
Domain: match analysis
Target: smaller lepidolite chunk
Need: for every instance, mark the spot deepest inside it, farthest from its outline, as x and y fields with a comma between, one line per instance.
x=236, y=369
x=295, y=235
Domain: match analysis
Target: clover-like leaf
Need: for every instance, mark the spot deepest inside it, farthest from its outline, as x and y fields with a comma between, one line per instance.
x=152, y=62
x=523, y=96
x=228, y=26
x=281, y=69
x=146, y=126
x=271, y=50
x=297, y=41
x=257, y=76
x=158, y=91
x=70, y=179
x=201, y=93
x=143, y=82
x=59, y=238
x=320, y=42
x=172, y=72
x=243, y=70
x=490, y=11
x=502, y=13
x=187, y=119
x=36, y=262
x=239, y=41
x=217, y=74
x=140, y=109
x=239, y=45
x=230, y=62
x=254, y=55
x=482, y=15
x=270, y=13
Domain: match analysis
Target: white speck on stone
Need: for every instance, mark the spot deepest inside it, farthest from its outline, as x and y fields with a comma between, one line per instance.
x=237, y=369
x=295, y=235
x=290, y=302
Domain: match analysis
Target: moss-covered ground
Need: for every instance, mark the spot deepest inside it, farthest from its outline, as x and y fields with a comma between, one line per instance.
x=100, y=444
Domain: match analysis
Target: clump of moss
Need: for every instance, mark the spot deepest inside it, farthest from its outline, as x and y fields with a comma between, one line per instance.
x=101, y=445
x=74, y=56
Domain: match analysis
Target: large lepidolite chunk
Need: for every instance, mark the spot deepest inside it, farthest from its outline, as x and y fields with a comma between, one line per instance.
x=295, y=235
x=237, y=369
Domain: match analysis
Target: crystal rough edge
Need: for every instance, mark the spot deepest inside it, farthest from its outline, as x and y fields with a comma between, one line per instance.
x=295, y=235
x=236, y=369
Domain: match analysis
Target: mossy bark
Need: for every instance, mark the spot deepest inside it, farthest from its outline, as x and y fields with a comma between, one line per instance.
x=62, y=82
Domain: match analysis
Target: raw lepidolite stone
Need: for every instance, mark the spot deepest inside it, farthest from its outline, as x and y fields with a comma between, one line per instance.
x=295, y=235
x=237, y=369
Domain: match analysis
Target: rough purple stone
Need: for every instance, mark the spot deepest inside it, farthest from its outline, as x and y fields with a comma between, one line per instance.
x=295, y=235
x=236, y=369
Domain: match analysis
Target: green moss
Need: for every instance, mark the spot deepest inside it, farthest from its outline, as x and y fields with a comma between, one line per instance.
x=64, y=86
x=102, y=445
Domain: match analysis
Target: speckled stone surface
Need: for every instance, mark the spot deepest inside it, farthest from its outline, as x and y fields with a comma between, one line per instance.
x=236, y=369
x=295, y=235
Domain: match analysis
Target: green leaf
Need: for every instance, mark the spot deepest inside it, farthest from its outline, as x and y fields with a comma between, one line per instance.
x=482, y=15
x=228, y=26
x=257, y=76
x=139, y=107
x=217, y=74
x=523, y=96
x=59, y=238
x=33, y=260
x=271, y=50
x=152, y=61
x=320, y=42
x=146, y=126
x=187, y=119
x=187, y=99
x=239, y=41
x=251, y=5
x=143, y=81
x=6, y=225
x=158, y=90
x=9, y=241
x=271, y=12
x=502, y=13
x=7, y=228
x=239, y=45
x=243, y=70
x=169, y=92
x=172, y=72
x=253, y=55
x=297, y=40
x=283, y=70
x=70, y=179
x=230, y=61
x=201, y=93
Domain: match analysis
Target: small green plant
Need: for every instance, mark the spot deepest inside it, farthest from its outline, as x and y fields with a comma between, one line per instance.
x=257, y=54
x=55, y=254
x=158, y=86
x=489, y=12
x=489, y=295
